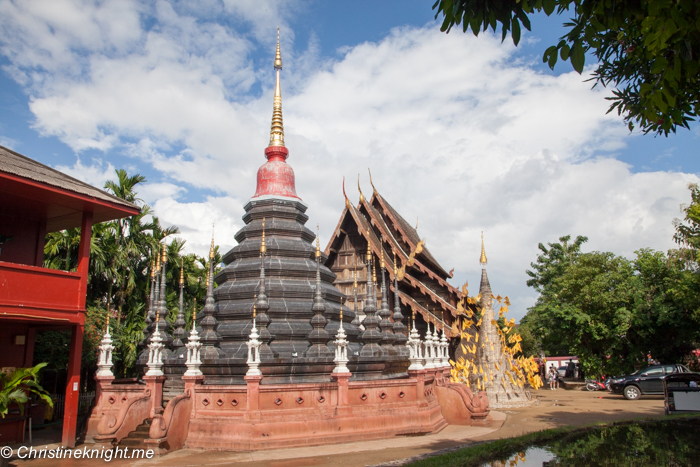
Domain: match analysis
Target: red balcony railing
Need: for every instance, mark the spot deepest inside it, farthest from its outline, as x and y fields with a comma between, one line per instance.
x=28, y=291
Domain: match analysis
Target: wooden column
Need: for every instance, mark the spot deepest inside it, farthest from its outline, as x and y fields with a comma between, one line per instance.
x=70, y=412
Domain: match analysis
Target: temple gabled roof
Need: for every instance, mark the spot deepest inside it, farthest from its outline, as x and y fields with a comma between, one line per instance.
x=377, y=220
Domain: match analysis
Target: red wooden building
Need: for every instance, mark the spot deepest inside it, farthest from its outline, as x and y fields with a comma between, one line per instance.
x=35, y=200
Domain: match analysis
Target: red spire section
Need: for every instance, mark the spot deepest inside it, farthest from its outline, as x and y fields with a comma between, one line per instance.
x=276, y=177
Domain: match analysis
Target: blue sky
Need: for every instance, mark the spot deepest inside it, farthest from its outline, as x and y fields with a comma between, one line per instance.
x=465, y=134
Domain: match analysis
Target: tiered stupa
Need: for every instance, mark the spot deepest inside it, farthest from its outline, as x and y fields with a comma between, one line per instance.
x=498, y=378
x=283, y=383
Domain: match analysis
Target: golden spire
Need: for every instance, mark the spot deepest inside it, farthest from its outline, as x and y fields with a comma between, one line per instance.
x=374, y=274
x=362, y=197
x=182, y=272
x=341, y=309
x=165, y=253
x=211, y=248
x=483, y=260
x=208, y=270
x=347, y=201
x=194, y=313
x=255, y=299
x=263, y=248
x=153, y=268
x=396, y=269
x=157, y=261
x=318, y=244
x=354, y=278
x=277, y=127
x=107, y=328
x=369, y=248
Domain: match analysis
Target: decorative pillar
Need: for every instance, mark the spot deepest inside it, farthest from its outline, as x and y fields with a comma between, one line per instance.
x=318, y=337
x=399, y=328
x=429, y=345
x=208, y=323
x=193, y=347
x=179, y=332
x=104, y=359
x=341, y=348
x=414, y=348
x=162, y=311
x=385, y=324
x=263, y=304
x=445, y=349
x=253, y=351
x=155, y=353
x=371, y=336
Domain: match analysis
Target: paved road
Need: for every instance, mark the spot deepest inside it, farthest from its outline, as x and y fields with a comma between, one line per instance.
x=557, y=408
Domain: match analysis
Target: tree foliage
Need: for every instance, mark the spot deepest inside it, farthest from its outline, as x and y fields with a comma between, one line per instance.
x=649, y=50
x=611, y=312
x=121, y=260
x=18, y=386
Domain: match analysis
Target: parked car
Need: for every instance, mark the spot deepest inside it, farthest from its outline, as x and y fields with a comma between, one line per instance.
x=646, y=381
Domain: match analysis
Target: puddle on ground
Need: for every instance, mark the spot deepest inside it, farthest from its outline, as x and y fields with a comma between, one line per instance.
x=532, y=457
x=665, y=442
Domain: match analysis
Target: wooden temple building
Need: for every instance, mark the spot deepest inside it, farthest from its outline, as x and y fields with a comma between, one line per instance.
x=422, y=282
x=36, y=200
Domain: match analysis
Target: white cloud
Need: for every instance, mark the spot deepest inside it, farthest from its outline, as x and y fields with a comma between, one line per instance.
x=456, y=131
x=96, y=174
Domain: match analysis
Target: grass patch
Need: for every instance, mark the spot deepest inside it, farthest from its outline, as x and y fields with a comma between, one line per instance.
x=479, y=453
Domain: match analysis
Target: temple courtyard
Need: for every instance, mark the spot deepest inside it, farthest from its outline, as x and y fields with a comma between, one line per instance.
x=556, y=409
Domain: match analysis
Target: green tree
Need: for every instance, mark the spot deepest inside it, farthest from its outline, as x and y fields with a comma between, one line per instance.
x=649, y=50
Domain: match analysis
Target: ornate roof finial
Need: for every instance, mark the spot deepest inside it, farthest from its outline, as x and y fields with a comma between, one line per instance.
x=263, y=248
x=255, y=299
x=347, y=201
x=483, y=260
x=277, y=127
x=374, y=274
x=165, y=253
x=182, y=272
x=362, y=197
x=416, y=223
x=396, y=268
x=318, y=244
x=341, y=309
x=374, y=190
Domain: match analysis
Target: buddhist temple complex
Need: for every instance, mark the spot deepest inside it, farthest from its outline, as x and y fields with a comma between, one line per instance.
x=297, y=346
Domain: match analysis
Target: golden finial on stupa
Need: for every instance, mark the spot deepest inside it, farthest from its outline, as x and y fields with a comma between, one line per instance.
x=182, y=272
x=374, y=274
x=369, y=248
x=362, y=197
x=255, y=299
x=208, y=278
x=165, y=253
x=158, y=260
x=354, y=278
x=263, y=247
x=483, y=260
x=374, y=190
x=341, y=309
x=396, y=269
x=194, y=313
x=211, y=248
x=318, y=244
x=277, y=127
x=107, y=328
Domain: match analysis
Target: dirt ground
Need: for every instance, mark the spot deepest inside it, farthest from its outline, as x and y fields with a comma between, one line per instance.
x=556, y=408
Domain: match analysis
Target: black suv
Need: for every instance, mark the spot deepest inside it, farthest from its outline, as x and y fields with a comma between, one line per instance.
x=646, y=381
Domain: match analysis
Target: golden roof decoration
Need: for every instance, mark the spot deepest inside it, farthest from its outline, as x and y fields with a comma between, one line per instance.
x=263, y=247
x=362, y=197
x=483, y=260
x=318, y=243
x=374, y=190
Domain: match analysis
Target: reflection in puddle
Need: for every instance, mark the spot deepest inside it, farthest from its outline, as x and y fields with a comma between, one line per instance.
x=533, y=457
x=666, y=442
